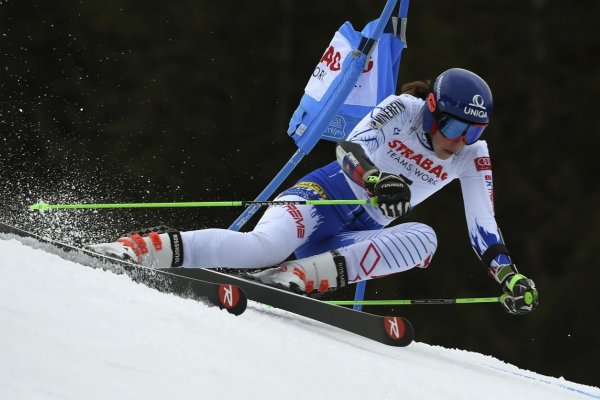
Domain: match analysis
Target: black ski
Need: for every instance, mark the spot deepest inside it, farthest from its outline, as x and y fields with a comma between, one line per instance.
x=225, y=295
x=393, y=331
x=231, y=292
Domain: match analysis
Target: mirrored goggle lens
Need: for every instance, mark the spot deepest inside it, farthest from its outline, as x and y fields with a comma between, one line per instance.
x=453, y=129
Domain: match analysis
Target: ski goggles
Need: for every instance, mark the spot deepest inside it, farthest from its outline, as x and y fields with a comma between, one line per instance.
x=455, y=129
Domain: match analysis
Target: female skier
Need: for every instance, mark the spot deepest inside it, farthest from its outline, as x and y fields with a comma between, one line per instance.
x=406, y=149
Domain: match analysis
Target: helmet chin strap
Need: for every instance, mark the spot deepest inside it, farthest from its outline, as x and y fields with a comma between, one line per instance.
x=432, y=131
x=429, y=126
x=425, y=139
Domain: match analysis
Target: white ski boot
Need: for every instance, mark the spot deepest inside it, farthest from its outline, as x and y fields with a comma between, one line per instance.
x=320, y=273
x=150, y=249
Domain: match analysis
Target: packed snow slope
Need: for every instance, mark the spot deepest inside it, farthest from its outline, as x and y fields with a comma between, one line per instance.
x=72, y=332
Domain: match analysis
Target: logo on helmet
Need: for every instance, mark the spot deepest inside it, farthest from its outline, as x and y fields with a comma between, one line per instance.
x=476, y=107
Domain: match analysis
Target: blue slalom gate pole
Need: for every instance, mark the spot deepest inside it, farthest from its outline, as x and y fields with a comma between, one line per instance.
x=353, y=66
x=269, y=190
x=340, y=90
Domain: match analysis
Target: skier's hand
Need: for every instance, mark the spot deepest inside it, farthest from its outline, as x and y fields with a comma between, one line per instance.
x=520, y=295
x=392, y=193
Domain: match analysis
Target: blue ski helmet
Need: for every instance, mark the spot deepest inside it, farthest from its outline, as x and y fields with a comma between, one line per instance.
x=457, y=100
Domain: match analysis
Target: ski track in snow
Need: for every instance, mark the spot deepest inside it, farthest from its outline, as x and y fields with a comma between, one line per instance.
x=72, y=332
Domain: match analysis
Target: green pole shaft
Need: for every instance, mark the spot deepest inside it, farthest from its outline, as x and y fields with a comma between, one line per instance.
x=43, y=206
x=415, y=301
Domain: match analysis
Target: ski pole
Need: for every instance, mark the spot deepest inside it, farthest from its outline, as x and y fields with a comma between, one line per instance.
x=471, y=300
x=41, y=206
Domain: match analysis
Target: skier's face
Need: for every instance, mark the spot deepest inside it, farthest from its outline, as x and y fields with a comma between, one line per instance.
x=446, y=148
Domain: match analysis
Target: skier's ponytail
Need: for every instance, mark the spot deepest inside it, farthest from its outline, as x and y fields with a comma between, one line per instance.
x=418, y=89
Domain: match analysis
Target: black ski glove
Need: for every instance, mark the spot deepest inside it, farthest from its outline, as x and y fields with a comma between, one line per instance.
x=392, y=193
x=520, y=294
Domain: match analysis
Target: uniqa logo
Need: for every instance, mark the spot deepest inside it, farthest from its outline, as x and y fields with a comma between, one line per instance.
x=476, y=107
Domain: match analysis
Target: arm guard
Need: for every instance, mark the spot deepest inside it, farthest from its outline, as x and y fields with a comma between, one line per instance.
x=354, y=162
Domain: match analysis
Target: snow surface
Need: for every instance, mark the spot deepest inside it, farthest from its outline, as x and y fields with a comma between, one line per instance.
x=72, y=332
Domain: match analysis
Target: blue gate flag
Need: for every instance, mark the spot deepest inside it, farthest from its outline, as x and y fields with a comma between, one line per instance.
x=377, y=80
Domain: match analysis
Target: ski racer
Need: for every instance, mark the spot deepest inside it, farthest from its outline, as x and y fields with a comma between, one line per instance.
x=406, y=149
